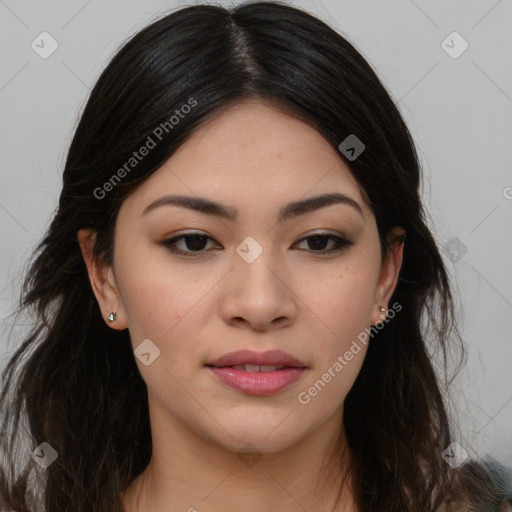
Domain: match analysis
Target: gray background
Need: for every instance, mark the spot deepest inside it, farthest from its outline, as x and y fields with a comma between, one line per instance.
x=458, y=110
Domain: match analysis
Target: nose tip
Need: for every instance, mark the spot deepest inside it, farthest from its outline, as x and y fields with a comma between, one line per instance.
x=256, y=297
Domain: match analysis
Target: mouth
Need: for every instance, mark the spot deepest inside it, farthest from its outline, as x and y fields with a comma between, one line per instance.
x=257, y=373
x=256, y=380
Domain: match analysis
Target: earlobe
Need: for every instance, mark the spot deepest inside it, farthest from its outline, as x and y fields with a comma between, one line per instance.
x=389, y=273
x=102, y=281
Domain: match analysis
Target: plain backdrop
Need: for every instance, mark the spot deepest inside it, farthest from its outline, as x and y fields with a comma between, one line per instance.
x=457, y=102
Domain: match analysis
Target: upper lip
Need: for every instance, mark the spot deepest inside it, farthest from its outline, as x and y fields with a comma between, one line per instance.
x=270, y=357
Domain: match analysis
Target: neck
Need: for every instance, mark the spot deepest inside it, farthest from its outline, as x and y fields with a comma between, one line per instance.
x=190, y=473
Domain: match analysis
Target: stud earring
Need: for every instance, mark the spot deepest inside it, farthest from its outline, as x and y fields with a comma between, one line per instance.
x=382, y=314
x=112, y=316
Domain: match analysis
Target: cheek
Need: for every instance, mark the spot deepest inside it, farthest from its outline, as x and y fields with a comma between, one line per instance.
x=343, y=300
x=170, y=307
x=156, y=297
x=164, y=307
x=343, y=304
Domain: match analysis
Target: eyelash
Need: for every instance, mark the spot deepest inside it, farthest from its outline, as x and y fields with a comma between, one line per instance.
x=341, y=242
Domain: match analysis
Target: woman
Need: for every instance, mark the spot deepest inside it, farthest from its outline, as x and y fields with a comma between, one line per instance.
x=229, y=297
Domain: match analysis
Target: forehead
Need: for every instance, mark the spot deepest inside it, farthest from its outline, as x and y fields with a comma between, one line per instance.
x=252, y=150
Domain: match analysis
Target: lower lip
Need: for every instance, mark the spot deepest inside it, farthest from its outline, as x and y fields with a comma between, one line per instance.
x=257, y=383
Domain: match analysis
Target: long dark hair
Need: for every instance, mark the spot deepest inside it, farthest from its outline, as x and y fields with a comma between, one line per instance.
x=74, y=384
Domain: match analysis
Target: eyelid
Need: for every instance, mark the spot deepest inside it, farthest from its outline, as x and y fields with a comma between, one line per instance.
x=324, y=232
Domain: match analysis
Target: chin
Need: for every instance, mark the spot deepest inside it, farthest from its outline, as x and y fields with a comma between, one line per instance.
x=253, y=438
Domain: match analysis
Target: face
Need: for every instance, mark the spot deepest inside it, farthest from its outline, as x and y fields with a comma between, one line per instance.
x=307, y=283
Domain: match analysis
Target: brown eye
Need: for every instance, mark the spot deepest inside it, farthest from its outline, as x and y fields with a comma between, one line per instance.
x=317, y=243
x=192, y=243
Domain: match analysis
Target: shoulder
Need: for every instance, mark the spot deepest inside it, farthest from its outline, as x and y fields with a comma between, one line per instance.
x=481, y=486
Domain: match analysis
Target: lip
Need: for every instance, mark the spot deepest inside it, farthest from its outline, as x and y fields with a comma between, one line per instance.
x=270, y=357
x=257, y=383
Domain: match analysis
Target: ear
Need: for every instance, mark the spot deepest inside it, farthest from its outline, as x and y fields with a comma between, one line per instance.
x=389, y=272
x=101, y=276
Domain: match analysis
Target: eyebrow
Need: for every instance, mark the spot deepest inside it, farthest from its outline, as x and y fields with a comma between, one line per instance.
x=291, y=210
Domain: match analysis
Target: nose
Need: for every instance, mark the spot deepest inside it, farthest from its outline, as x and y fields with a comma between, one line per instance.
x=258, y=295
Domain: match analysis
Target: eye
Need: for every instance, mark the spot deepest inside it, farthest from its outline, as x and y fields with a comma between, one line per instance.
x=318, y=241
x=194, y=244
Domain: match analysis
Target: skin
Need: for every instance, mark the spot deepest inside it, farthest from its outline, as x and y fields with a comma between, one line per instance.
x=256, y=158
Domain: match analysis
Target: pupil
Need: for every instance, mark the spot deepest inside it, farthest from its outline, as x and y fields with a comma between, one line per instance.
x=194, y=245
x=315, y=239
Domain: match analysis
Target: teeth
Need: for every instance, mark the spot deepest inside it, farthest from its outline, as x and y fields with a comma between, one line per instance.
x=257, y=367
x=270, y=367
x=251, y=367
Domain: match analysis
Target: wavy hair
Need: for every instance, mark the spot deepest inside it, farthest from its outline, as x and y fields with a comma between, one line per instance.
x=73, y=382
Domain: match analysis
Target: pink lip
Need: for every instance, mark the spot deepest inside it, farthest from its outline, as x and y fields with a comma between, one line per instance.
x=269, y=357
x=257, y=383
